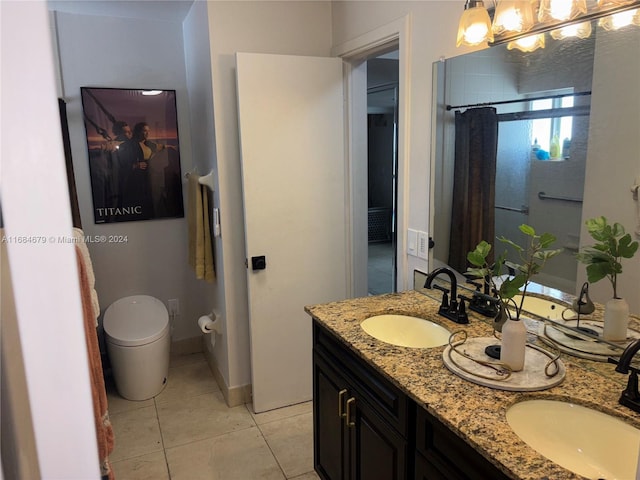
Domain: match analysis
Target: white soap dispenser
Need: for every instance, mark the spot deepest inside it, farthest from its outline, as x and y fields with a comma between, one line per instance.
x=514, y=341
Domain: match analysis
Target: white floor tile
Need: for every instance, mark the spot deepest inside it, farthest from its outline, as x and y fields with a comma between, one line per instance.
x=291, y=441
x=136, y=433
x=236, y=455
x=188, y=380
x=152, y=466
x=117, y=404
x=196, y=418
x=203, y=438
x=281, y=413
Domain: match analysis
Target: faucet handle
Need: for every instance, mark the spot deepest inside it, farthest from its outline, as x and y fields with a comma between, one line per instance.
x=441, y=288
x=471, y=281
x=462, y=310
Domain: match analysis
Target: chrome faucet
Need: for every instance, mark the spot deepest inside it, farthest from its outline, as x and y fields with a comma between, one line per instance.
x=630, y=396
x=449, y=309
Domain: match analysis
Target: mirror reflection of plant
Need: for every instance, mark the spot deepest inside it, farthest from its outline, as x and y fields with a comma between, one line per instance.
x=603, y=259
x=533, y=258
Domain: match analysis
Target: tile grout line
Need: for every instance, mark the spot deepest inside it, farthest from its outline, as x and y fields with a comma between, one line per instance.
x=164, y=450
x=273, y=454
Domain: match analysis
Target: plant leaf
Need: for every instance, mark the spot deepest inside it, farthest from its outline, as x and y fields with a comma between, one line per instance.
x=511, y=287
x=597, y=271
x=512, y=244
x=627, y=248
x=527, y=230
x=547, y=239
x=475, y=258
x=478, y=272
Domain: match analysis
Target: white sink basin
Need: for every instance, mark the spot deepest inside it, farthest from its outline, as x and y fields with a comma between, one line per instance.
x=406, y=331
x=544, y=308
x=585, y=441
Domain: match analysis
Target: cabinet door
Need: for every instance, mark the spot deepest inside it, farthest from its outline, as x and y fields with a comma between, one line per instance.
x=425, y=470
x=446, y=455
x=377, y=451
x=329, y=436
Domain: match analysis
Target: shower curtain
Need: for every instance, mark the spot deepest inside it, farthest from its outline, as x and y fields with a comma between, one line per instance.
x=473, y=203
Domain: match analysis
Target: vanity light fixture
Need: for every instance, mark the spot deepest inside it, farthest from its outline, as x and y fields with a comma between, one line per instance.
x=512, y=16
x=522, y=23
x=608, y=3
x=475, y=25
x=151, y=92
x=580, y=30
x=528, y=43
x=620, y=20
x=561, y=10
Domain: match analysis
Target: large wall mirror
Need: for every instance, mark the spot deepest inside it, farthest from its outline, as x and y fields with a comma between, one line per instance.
x=551, y=107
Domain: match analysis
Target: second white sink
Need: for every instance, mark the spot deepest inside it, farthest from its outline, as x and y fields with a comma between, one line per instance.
x=406, y=331
x=544, y=308
x=580, y=439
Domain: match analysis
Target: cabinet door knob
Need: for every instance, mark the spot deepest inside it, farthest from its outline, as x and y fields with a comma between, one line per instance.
x=341, y=403
x=348, y=420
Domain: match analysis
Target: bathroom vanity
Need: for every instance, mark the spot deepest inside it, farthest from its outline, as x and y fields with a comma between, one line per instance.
x=388, y=412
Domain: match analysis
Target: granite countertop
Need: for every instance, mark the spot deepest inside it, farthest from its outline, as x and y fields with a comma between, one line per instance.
x=475, y=413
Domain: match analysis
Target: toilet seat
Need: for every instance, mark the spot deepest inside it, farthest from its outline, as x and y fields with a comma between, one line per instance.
x=135, y=320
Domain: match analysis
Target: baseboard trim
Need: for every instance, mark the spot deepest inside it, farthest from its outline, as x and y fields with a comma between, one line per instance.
x=234, y=396
x=187, y=346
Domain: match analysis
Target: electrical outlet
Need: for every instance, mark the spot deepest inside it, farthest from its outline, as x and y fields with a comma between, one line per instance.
x=174, y=306
x=412, y=242
x=423, y=245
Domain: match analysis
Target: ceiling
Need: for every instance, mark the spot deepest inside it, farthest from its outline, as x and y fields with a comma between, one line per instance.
x=168, y=10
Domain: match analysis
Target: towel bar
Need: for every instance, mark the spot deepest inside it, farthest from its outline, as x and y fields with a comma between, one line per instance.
x=544, y=196
x=207, y=180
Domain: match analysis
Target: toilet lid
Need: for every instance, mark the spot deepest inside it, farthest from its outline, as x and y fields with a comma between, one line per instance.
x=135, y=320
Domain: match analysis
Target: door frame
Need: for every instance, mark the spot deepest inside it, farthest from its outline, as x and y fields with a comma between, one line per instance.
x=354, y=53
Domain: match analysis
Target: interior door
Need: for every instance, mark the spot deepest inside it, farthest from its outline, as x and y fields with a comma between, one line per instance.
x=293, y=174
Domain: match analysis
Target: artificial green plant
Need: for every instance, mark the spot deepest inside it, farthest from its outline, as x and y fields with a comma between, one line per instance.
x=603, y=259
x=533, y=257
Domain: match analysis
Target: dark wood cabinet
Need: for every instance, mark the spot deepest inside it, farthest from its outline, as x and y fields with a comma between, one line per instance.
x=365, y=428
x=441, y=454
x=360, y=419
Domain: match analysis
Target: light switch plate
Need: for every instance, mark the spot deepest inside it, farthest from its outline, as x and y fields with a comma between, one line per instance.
x=412, y=242
x=423, y=245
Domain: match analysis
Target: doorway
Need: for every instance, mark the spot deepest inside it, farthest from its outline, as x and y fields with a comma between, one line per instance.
x=382, y=168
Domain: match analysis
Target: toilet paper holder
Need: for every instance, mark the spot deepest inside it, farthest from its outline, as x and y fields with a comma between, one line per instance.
x=210, y=323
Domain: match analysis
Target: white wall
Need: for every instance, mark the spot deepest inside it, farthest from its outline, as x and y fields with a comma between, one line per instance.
x=613, y=158
x=200, y=89
x=280, y=27
x=102, y=51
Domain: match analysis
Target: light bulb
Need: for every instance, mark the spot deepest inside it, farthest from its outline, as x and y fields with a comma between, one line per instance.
x=580, y=30
x=475, y=26
x=620, y=20
x=513, y=16
x=528, y=43
x=607, y=3
x=561, y=10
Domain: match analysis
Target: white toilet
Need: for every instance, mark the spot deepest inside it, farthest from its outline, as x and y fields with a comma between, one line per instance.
x=138, y=341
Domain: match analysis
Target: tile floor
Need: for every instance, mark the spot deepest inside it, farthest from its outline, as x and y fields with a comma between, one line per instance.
x=380, y=268
x=188, y=432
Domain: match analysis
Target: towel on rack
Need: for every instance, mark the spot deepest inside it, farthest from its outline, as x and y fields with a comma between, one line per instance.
x=78, y=236
x=200, y=248
x=104, y=430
